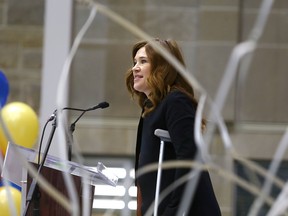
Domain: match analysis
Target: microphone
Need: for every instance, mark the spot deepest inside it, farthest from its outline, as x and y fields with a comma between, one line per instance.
x=101, y=105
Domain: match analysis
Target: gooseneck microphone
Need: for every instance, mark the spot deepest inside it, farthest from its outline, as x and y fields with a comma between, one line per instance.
x=101, y=105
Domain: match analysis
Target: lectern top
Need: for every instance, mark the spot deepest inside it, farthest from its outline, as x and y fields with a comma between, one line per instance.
x=12, y=169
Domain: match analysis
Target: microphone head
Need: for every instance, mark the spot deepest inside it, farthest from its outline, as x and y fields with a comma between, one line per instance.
x=103, y=105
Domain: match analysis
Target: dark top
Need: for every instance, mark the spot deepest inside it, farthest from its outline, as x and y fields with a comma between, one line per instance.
x=176, y=114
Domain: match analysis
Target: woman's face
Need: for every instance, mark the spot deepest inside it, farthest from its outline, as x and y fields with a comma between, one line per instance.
x=141, y=71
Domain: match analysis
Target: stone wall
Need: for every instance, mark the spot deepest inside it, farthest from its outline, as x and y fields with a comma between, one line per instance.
x=21, y=37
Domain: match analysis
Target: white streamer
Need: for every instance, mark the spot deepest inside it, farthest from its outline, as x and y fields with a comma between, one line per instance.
x=278, y=207
x=60, y=98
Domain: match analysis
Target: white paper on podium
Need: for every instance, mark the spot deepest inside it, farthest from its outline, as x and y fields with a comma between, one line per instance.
x=12, y=168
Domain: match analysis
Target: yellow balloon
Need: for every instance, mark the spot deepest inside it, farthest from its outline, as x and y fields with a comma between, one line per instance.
x=4, y=201
x=22, y=124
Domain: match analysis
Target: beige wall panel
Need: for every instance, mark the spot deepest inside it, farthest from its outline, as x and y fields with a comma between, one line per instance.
x=103, y=29
x=98, y=75
x=218, y=25
x=171, y=3
x=164, y=22
x=9, y=55
x=278, y=4
x=178, y=23
x=25, y=13
x=223, y=3
x=263, y=95
x=106, y=137
x=211, y=63
x=275, y=31
x=257, y=144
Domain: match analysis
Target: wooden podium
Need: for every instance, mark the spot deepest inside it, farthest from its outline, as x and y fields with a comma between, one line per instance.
x=48, y=206
x=52, y=171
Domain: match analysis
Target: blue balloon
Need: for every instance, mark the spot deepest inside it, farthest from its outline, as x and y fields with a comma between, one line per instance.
x=4, y=89
x=10, y=184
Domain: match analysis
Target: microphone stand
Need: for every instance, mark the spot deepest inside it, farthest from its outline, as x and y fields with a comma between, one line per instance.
x=101, y=105
x=72, y=129
x=34, y=193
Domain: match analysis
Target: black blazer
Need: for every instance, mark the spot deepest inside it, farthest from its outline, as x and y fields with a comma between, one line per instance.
x=176, y=114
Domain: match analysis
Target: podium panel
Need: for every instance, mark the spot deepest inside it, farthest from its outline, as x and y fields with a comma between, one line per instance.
x=48, y=206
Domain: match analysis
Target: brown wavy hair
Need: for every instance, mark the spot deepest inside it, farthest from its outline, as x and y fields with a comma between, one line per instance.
x=163, y=78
